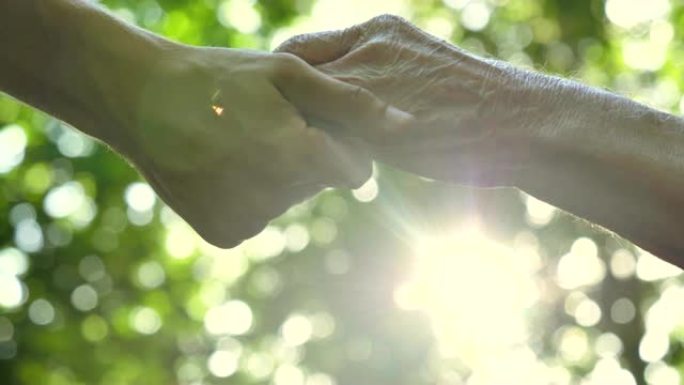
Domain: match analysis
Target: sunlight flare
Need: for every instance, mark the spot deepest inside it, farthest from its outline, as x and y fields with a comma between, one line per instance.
x=475, y=292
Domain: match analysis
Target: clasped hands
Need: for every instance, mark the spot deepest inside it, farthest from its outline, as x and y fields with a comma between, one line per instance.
x=233, y=138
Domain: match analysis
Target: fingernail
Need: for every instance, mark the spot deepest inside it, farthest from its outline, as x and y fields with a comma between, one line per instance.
x=398, y=119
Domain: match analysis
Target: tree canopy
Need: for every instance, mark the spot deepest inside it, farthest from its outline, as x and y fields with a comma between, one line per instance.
x=404, y=281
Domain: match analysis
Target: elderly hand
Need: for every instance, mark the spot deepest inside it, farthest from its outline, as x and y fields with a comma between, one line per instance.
x=226, y=136
x=595, y=154
x=475, y=118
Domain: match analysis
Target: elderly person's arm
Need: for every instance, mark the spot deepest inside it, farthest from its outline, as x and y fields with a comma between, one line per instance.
x=223, y=135
x=600, y=156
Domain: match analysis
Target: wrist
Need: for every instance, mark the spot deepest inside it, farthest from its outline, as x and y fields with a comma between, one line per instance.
x=119, y=72
x=522, y=111
x=121, y=77
x=584, y=125
x=101, y=66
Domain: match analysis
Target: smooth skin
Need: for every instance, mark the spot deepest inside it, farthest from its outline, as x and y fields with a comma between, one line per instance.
x=600, y=156
x=226, y=137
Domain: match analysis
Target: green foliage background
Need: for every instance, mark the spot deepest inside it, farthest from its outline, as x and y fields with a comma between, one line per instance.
x=335, y=260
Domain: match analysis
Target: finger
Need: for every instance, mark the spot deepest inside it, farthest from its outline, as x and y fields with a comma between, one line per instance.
x=343, y=162
x=322, y=47
x=336, y=106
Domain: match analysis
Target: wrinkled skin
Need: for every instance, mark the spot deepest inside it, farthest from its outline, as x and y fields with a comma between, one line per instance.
x=600, y=156
x=228, y=174
x=467, y=130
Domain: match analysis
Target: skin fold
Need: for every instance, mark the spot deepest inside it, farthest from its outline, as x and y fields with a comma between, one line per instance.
x=481, y=122
x=228, y=138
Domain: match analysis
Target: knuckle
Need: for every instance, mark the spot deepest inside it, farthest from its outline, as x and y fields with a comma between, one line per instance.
x=389, y=25
x=286, y=65
x=314, y=141
x=359, y=94
x=294, y=43
x=295, y=123
x=388, y=19
x=375, y=46
x=365, y=98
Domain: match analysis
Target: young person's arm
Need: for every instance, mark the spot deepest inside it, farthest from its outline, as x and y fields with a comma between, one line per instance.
x=223, y=135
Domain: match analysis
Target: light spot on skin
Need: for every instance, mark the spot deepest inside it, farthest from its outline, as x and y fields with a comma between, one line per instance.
x=217, y=110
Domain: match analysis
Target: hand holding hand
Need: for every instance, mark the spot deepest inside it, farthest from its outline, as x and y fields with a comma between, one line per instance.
x=226, y=136
x=475, y=118
x=483, y=122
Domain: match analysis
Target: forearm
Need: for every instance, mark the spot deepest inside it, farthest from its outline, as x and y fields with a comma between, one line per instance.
x=75, y=62
x=614, y=162
x=482, y=122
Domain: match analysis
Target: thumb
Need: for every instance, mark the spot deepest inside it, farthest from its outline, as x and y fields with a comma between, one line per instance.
x=336, y=106
x=322, y=47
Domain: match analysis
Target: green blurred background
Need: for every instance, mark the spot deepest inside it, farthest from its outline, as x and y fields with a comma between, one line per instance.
x=403, y=281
